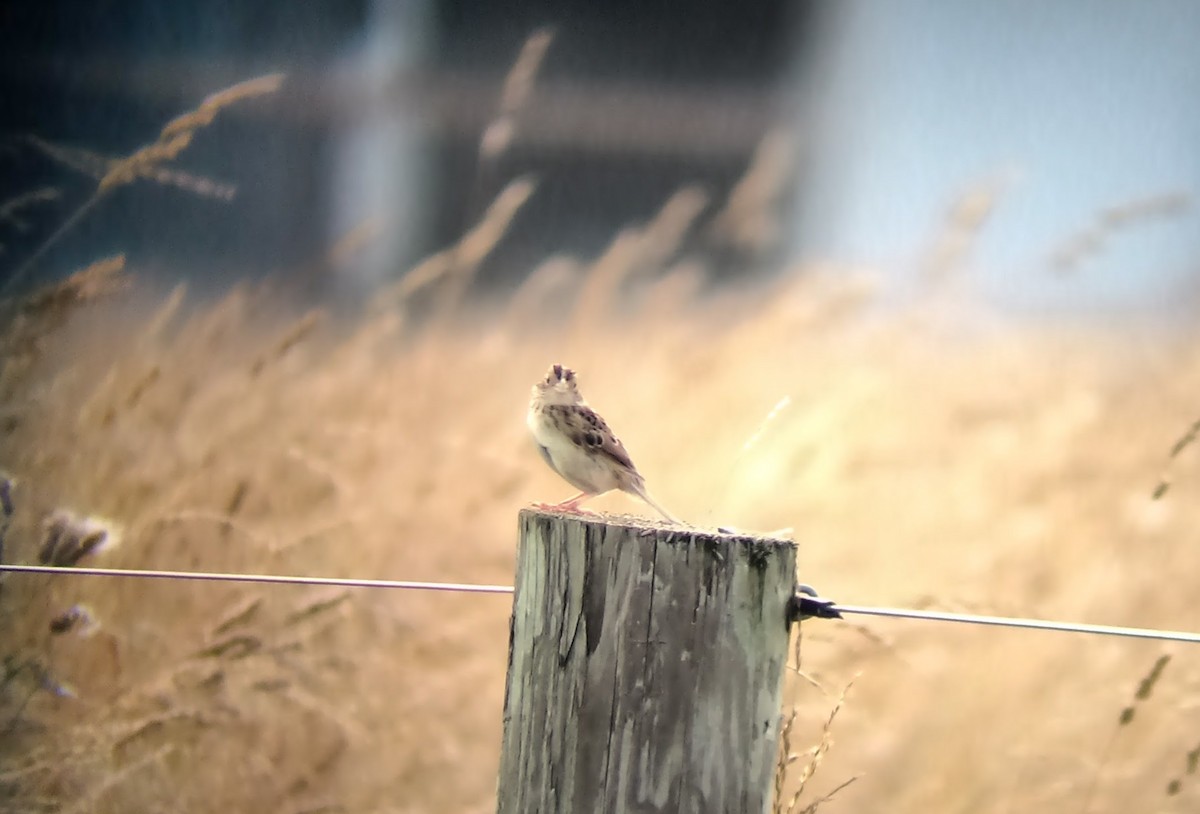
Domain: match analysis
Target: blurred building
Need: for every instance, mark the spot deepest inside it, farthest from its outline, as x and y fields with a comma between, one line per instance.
x=1055, y=142
x=379, y=124
x=1071, y=128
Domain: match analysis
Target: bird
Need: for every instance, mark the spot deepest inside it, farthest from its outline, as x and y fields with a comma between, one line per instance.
x=577, y=444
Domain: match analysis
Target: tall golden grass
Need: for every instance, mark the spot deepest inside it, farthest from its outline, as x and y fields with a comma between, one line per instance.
x=147, y=162
x=1008, y=471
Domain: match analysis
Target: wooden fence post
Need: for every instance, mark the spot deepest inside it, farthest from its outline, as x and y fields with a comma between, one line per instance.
x=644, y=668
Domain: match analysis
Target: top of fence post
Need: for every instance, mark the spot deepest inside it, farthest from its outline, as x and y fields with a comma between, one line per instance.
x=645, y=667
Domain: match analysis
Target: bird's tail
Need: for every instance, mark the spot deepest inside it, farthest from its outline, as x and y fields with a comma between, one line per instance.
x=638, y=488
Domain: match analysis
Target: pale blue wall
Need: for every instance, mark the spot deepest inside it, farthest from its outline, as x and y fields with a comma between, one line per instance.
x=379, y=174
x=1079, y=104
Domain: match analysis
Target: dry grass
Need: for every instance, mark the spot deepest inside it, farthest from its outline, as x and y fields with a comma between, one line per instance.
x=147, y=162
x=919, y=462
x=98, y=167
x=1110, y=223
x=794, y=770
x=498, y=136
x=1010, y=473
x=177, y=135
x=13, y=212
x=1144, y=690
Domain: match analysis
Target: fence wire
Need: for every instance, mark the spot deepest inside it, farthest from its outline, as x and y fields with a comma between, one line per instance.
x=459, y=587
x=276, y=579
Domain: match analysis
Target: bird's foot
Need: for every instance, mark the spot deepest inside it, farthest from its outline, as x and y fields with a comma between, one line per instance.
x=569, y=506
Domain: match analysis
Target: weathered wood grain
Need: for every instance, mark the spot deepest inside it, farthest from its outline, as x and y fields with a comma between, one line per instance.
x=645, y=665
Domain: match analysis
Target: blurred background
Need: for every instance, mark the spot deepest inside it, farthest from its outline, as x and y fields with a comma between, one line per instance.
x=916, y=280
x=1060, y=126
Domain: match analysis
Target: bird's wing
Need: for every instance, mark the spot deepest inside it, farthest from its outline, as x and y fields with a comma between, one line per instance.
x=589, y=431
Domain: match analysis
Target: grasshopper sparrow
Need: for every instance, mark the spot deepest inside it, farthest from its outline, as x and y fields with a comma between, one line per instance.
x=578, y=445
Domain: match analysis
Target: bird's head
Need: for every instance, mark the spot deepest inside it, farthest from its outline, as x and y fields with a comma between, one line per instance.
x=558, y=387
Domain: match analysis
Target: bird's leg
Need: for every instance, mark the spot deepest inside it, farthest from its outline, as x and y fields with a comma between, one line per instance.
x=572, y=505
x=569, y=505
